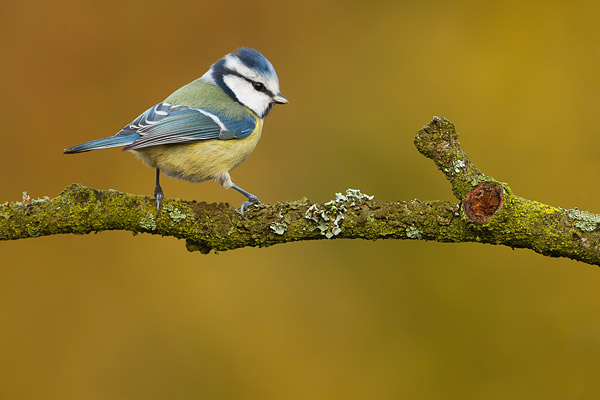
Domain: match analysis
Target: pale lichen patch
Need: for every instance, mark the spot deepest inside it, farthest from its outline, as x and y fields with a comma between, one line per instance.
x=26, y=198
x=584, y=220
x=174, y=213
x=352, y=196
x=43, y=199
x=328, y=218
x=278, y=227
x=413, y=233
x=148, y=223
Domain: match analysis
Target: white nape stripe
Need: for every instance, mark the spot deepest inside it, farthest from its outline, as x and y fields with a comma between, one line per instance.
x=208, y=76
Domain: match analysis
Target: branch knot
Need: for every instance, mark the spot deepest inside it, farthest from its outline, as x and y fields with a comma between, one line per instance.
x=482, y=202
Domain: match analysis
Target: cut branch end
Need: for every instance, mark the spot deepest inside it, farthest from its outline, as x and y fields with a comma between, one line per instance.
x=482, y=202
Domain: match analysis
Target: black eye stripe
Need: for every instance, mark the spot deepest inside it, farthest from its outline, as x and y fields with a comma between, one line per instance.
x=259, y=86
x=253, y=83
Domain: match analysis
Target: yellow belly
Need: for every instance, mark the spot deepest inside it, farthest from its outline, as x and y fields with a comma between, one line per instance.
x=200, y=161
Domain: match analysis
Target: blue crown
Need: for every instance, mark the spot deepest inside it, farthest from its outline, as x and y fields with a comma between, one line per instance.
x=253, y=59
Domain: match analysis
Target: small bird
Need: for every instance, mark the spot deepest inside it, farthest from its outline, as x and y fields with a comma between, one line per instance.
x=205, y=128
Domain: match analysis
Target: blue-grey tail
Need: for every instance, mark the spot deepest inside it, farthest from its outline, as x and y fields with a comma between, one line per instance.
x=105, y=143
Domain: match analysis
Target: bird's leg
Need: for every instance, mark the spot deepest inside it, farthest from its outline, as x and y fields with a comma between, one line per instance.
x=252, y=199
x=158, y=192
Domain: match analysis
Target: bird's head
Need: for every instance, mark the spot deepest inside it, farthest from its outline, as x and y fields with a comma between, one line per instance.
x=249, y=78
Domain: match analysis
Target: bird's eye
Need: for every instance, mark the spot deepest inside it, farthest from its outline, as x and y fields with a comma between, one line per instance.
x=258, y=86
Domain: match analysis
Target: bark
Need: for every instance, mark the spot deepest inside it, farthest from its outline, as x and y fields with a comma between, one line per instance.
x=487, y=212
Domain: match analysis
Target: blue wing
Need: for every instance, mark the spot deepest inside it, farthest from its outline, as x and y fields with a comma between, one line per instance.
x=168, y=124
x=182, y=124
x=149, y=117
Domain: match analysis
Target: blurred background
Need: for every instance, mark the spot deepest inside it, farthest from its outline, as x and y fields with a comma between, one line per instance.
x=113, y=316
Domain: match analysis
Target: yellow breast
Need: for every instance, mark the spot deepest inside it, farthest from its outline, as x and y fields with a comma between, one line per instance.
x=200, y=161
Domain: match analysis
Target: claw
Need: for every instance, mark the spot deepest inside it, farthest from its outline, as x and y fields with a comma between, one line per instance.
x=251, y=201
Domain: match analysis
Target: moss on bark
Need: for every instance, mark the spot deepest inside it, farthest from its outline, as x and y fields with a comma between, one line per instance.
x=517, y=222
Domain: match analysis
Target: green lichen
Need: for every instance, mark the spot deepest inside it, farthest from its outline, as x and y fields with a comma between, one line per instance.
x=43, y=199
x=352, y=196
x=148, y=223
x=278, y=227
x=413, y=233
x=328, y=218
x=456, y=167
x=585, y=220
x=174, y=213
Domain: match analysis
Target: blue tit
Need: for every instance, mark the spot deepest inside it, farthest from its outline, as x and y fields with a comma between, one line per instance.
x=205, y=128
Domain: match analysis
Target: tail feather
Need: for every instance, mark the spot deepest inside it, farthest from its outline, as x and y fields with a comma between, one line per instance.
x=113, y=141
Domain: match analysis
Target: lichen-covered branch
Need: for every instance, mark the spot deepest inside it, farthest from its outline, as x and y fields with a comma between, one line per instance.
x=488, y=212
x=79, y=209
x=501, y=217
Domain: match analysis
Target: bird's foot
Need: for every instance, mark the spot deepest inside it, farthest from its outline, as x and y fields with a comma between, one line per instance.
x=252, y=200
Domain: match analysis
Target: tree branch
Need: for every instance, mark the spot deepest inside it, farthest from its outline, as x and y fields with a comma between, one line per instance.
x=488, y=213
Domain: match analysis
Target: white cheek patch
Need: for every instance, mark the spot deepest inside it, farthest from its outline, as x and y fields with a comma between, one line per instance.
x=247, y=95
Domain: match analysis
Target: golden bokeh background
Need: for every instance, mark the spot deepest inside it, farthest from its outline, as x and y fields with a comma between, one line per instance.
x=113, y=316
